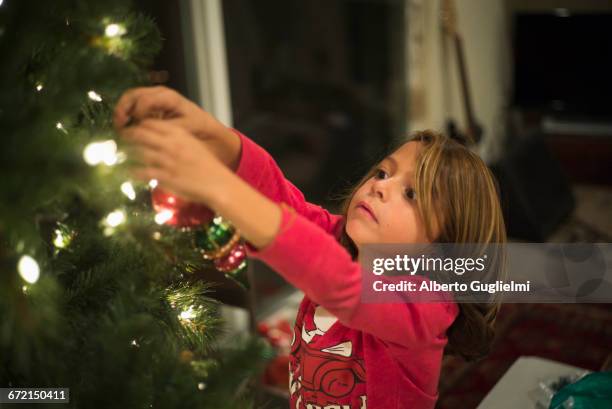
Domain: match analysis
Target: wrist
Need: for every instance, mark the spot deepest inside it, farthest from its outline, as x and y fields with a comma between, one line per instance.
x=215, y=195
x=258, y=222
x=222, y=140
x=227, y=146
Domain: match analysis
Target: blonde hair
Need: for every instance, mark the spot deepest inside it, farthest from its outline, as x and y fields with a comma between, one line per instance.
x=456, y=188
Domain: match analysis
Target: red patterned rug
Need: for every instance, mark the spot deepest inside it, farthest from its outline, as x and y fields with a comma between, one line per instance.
x=576, y=334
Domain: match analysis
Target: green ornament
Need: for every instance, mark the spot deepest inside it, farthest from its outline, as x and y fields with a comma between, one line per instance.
x=214, y=236
x=203, y=242
x=220, y=232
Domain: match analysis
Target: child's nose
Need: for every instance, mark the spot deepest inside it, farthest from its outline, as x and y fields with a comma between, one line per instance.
x=380, y=188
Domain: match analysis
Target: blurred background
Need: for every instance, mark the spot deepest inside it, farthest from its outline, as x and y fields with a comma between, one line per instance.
x=327, y=86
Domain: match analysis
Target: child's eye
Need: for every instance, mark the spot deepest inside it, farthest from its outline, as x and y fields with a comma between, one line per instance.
x=410, y=193
x=378, y=173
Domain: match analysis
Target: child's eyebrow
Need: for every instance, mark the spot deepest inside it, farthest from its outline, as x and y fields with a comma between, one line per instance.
x=391, y=159
x=395, y=164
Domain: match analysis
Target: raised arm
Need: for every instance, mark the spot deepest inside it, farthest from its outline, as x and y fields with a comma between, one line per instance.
x=259, y=169
x=313, y=261
x=236, y=151
x=294, y=246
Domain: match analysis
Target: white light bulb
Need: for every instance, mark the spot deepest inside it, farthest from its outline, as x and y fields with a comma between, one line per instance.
x=91, y=154
x=128, y=190
x=59, y=240
x=153, y=183
x=114, y=30
x=101, y=152
x=115, y=218
x=39, y=87
x=28, y=269
x=187, y=314
x=109, y=150
x=201, y=386
x=94, y=96
x=1, y=1
x=163, y=216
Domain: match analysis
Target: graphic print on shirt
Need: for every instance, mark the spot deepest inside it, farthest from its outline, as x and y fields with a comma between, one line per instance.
x=323, y=378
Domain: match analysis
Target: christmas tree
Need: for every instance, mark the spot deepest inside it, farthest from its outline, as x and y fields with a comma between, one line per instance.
x=96, y=294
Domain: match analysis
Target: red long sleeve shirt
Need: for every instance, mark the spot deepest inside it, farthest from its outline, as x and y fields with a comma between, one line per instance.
x=345, y=354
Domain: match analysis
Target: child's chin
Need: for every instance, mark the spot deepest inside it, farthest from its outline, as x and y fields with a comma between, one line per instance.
x=354, y=232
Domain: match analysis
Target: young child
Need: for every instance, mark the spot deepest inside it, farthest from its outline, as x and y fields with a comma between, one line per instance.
x=345, y=353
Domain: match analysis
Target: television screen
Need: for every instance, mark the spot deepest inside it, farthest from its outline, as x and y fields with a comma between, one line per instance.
x=563, y=63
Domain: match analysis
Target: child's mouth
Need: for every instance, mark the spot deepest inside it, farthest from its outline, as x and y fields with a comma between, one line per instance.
x=366, y=210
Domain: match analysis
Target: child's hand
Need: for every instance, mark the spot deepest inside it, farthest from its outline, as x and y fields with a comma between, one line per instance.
x=162, y=103
x=181, y=163
x=138, y=104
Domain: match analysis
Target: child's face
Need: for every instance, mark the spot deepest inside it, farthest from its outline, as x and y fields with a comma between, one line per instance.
x=391, y=197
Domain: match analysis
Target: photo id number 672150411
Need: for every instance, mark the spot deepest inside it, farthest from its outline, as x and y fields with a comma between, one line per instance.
x=31, y=395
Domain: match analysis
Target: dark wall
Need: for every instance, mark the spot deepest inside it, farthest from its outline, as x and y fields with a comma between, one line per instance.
x=170, y=63
x=315, y=83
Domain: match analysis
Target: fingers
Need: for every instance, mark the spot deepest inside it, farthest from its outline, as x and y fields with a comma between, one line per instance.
x=155, y=159
x=147, y=137
x=145, y=102
x=123, y=109
x=161, y=126
x=160, y=102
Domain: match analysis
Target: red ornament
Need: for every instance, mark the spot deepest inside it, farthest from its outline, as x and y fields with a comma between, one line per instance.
x=216, y=240
x=184, y=213
x=232, y=260
x=263, y=328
